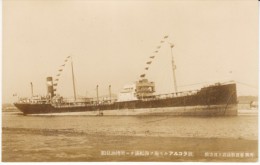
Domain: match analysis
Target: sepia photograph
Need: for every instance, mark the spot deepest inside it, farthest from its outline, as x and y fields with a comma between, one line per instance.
x=130, y=80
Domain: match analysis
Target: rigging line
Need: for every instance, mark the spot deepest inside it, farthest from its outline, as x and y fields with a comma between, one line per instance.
x=149, y=63
x=205, y=82
x=252, y=86
x=60, y=70
x=192, y=84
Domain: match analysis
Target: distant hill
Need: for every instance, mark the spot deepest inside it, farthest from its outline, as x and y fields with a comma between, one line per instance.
x=5, y=105
x=8, y=107
x=246, y=99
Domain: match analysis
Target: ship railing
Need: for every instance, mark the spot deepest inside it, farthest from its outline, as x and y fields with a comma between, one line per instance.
x=67, y=105
x=33, y=101
x=80, y=104
x=171, y=95
x=89, y=100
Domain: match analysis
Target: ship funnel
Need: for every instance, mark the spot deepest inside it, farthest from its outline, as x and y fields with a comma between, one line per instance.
x=50, y=91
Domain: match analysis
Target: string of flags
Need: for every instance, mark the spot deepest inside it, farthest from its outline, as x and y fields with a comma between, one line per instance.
x=151, y=58
x=56, y=80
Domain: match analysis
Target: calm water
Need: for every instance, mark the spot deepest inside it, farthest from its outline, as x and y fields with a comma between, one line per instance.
x=83, y=138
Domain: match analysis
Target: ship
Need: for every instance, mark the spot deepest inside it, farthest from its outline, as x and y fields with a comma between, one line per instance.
x=138, y=98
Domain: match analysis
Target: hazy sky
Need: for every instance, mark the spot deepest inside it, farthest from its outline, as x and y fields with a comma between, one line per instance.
x=110, y=41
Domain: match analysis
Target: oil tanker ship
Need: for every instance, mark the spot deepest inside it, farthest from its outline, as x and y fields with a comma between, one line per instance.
x=138, y=98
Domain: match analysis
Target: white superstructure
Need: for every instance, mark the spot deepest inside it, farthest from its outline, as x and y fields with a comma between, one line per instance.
x=128, y=93
x=138, y=90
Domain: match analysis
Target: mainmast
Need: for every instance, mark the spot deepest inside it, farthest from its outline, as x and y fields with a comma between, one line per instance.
x=173, y=69
x=73, y=80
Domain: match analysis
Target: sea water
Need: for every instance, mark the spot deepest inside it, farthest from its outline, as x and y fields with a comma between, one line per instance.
x=78, y=137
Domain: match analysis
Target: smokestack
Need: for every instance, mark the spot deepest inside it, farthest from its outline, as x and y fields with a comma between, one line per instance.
x=50, y=91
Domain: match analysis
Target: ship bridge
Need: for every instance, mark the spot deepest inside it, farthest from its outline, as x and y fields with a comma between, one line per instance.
x=137, y=91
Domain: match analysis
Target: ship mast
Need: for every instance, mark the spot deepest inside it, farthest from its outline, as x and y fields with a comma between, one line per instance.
x=73, y=80
x=32, y=88
x=173, y=69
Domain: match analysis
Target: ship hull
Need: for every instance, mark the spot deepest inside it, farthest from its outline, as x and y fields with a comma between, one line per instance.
x=219, y=100
x=213, y=110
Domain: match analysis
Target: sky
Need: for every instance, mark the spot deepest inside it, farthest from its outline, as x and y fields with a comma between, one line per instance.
x=111, y=41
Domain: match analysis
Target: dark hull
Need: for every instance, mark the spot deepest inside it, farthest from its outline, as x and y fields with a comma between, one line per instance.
x=218, y=100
